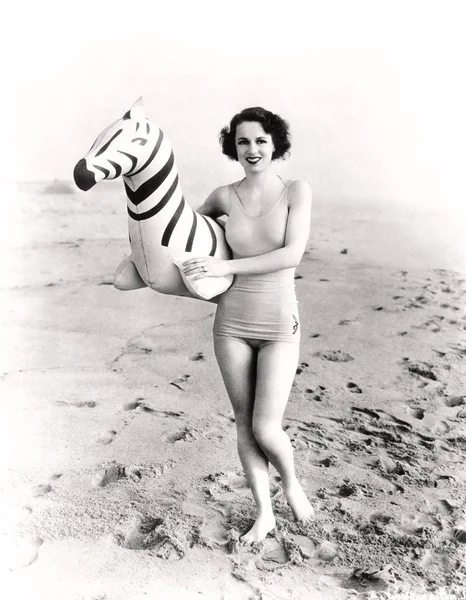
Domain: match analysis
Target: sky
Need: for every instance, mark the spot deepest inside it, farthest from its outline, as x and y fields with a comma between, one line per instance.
x=373, y=90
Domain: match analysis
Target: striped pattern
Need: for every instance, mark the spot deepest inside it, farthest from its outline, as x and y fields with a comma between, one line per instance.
x=147, y=182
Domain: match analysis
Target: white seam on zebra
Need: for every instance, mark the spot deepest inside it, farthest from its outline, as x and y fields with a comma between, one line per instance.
x=159, y=219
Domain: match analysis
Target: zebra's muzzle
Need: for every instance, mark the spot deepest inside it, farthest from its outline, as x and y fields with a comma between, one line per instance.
x=83, y=178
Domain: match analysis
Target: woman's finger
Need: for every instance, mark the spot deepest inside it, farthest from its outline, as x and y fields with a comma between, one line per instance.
x=193, y=262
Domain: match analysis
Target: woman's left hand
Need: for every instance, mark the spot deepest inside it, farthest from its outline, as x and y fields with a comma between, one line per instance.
x=207, y=266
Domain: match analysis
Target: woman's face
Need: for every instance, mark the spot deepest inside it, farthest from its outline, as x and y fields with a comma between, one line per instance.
x=253, y=146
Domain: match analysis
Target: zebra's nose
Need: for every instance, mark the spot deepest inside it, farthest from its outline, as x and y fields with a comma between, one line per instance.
x=83, y=178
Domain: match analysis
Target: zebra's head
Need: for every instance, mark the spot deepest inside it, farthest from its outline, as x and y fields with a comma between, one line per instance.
x=123, y=148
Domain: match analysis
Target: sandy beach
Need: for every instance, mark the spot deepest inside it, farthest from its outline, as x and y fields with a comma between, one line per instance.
x=120, y=476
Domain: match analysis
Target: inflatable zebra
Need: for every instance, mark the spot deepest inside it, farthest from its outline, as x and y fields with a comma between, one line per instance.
x=163, y=229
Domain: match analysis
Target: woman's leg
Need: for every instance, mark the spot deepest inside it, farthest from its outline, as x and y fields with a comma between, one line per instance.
x=276, y=369
x=237, y=361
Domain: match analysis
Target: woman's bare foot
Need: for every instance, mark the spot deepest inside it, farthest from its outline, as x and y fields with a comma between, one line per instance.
x=258, y=532
x=300, y=505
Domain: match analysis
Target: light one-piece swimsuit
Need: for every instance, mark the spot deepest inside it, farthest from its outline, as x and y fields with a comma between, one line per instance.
x=258, y=306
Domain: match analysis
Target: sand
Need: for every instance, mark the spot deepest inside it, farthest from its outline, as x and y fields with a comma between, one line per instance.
x=120, y=478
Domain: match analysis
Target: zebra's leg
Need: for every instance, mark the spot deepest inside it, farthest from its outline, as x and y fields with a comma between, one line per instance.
x=126, y=277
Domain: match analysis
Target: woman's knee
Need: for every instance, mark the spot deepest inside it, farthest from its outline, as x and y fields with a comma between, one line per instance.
x=266, y=431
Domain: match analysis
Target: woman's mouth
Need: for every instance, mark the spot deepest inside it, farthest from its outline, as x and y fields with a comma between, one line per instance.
x=253, y=161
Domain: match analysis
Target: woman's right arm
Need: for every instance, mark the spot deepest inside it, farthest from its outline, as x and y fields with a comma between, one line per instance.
x=217, y=203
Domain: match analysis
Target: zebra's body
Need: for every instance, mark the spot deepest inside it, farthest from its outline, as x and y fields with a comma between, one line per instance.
x=162, y=226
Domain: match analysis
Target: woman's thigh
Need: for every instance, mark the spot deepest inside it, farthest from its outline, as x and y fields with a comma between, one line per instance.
x=237, y=362
x=276, y=369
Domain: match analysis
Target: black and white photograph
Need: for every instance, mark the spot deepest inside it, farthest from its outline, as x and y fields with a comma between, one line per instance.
x=233, y=300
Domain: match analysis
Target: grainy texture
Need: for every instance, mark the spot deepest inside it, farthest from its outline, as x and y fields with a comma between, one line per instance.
x=122, y=479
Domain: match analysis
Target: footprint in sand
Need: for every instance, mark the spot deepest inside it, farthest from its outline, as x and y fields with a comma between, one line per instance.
x=138, y=405
x=445, y=305
x=379, y=425
x=432, y=324
x=45, y=488
x=197, y=357
x=348, y=489
x=379, y=577
x=106, y=437
x=302, y=367
x=306, y=435
x=168, y=535
x=273, y=556
x=186, y=434
x=314, y=335
x=440, y=428
x=455, y=401
x=41, y=490
x=168, y=414
x=223, y=487
x=446, y=507
x=346, y=322
x=420, y=369
x=335, y=356
x=388, y=465
x=417, y=413
x=214, y=529
x=180, y=382
x=354, y=388
x=225, y=418
x=380, y=518
x=316, y=395
x=85, y=404
x=327, y=551
x=107, y=475
x=329, y=461
x=17, y=553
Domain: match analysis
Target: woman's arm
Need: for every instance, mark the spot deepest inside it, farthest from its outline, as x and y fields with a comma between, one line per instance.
x=216, y=204
x=296, y=236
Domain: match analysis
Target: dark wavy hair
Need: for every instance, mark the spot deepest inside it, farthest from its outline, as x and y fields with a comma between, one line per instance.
x=271, y=123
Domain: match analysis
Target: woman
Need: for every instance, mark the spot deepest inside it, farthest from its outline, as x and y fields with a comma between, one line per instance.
x=256, y=329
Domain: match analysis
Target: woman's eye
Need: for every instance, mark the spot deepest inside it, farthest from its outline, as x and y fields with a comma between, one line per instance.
x=140, y=141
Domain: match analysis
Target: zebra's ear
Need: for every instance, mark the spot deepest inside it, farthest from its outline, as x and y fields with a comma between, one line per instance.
x=136, y=111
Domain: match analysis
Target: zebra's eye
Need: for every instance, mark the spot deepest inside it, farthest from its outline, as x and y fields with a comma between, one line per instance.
x=140, y=141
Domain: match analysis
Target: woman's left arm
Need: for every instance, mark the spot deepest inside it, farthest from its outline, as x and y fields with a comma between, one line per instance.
x=296, y=236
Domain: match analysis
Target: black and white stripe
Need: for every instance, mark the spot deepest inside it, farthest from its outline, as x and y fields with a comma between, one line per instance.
x=149, y=189
x=158, y=188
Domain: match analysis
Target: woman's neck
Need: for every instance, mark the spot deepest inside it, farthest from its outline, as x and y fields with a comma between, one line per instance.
x=259, y=181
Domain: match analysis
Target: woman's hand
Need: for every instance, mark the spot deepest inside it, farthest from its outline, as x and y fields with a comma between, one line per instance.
x=207, y=266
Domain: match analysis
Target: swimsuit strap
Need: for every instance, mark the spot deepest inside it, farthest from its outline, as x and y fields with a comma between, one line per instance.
x=272, y=206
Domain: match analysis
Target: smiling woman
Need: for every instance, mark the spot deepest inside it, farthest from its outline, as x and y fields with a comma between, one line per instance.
x=256, y=329
x=272, y=125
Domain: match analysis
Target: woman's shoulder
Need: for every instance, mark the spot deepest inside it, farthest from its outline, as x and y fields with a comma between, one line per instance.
x=219, y=199
x=299, y=190
x=297, y=184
